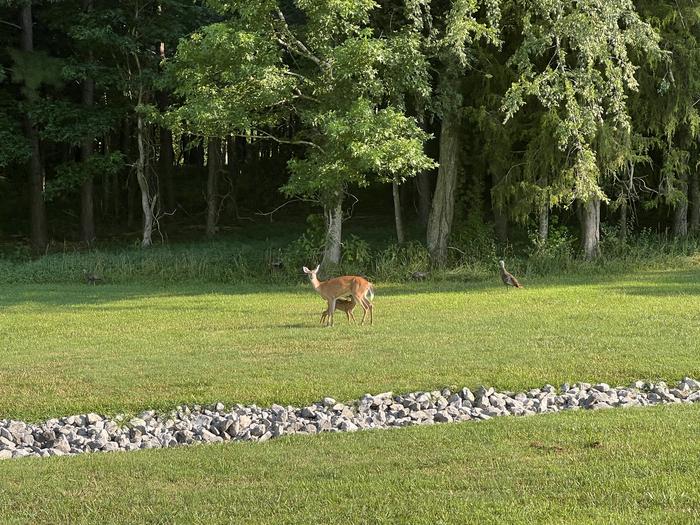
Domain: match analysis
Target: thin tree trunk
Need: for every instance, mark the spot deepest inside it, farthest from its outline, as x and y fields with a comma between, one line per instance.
x=695, y=201
x=590, y=228
x=680, y=216
x=37, y=206
x=147, y=203
x=400, y=234
x=442, y=210
x=334, y=233
x=424, y=186
x=543, y=229
x=213, y=166
x=166, y=160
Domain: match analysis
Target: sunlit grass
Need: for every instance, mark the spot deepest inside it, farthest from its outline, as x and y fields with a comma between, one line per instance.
x=76, y=348
x=616, y=466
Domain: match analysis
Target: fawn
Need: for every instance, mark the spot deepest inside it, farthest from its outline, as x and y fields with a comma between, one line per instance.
x=360, y=290
x=346, y=305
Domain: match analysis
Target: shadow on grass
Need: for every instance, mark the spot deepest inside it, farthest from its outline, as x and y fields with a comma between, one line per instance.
x=651, y=283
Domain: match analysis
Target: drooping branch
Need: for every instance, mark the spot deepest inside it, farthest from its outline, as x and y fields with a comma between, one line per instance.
x=297, y=45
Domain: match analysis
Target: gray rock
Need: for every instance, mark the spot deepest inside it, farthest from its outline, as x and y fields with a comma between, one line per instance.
x=348, y=426
x=442, y=417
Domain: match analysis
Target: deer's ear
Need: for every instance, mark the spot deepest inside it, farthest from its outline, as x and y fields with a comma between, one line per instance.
x=317, y=268
x=306, y=270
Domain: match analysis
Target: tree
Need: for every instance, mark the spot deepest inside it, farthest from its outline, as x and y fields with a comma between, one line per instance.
x=327, y=80
x=566, y=65
x=667, y=109
x=29, y=70
x=457, y=27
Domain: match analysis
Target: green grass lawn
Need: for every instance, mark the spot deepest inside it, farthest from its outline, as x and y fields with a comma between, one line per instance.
x=73, y=348
x=617, y=466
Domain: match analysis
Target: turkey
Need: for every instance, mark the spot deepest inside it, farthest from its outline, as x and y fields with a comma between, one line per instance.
x=507, y=278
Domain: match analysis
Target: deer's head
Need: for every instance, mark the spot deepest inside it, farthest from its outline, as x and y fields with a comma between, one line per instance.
x=311, y=273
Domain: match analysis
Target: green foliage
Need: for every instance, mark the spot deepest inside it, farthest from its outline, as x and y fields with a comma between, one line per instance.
x=566, y=66
x=307, y=249
x=356, y=143
x=70, y=175
x=13, y=146
x=32, y=70
x=71, y=123
x=556, y=253
x=398, y=262
x=232, y=79
x=255, y=69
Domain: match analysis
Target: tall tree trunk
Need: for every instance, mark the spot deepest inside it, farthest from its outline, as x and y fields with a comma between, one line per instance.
x=213, y=166
x=695, y=201
x=166, y=167
x=87, y=200
x=37, y=206
x=543, y=228
x=622, y=235
x=400, y=234
x=680, y=220
x=424, y=185
x=680, y=216
x=442, y=210
x=147, y=202
x=334, y=233
x=590, y=228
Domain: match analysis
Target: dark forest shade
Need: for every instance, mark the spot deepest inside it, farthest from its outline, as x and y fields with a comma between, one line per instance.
x=136, y=117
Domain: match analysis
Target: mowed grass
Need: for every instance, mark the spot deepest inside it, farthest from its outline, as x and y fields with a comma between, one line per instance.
x=616, y=466
x=75, y=348
x=72, y=348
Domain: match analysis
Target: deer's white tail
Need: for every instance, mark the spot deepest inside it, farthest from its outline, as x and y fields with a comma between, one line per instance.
x=370, y=293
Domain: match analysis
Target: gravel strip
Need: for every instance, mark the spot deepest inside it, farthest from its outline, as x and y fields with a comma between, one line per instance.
x=186, y=425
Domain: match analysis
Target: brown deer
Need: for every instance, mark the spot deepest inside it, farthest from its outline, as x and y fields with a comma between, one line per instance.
x=359, y=289
x=346, y=305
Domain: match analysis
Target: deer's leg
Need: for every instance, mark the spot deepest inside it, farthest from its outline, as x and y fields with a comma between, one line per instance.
x=369, y=307
x=361, y=301
x=331, y=310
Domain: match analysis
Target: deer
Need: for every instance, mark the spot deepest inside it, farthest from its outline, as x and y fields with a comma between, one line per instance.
x=346, y=305
x=359, y=289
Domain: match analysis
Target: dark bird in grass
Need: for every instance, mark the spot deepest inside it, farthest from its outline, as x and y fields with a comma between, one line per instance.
x=91, y=277
x=507, y=278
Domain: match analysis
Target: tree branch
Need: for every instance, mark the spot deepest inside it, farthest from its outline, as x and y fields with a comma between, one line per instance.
x=298, y=46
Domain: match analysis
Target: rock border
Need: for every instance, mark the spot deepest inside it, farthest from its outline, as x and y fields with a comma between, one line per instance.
x=89, y=433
